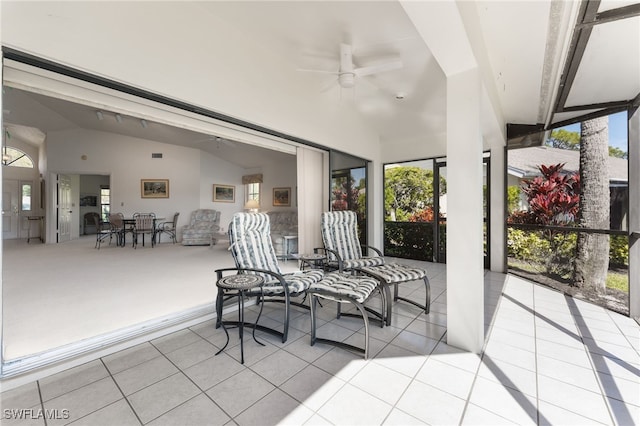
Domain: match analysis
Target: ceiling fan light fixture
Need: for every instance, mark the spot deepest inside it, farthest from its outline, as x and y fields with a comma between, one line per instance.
x=347, y=80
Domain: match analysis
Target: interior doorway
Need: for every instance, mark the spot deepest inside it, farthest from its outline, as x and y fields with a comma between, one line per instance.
x=65, y=206
x=10, y=209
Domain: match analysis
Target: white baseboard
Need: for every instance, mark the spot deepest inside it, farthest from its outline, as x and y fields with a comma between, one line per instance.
x=17, y=372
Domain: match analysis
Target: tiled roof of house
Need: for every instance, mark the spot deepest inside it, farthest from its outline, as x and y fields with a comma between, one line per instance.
x=524, y=162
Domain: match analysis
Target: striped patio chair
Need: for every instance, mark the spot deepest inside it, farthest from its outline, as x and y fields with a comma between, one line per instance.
x=341, y=242
x=344, y=251
x=253, y=253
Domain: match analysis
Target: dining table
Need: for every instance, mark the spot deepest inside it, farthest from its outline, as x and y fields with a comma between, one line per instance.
x=129, y=223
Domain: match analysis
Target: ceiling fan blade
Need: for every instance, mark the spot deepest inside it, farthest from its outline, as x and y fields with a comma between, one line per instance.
x=378, y=68
x=318, y=71
x=329, y=85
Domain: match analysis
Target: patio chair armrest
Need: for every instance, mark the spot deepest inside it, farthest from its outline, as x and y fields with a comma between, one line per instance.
x=377, y=251
x=335, y=253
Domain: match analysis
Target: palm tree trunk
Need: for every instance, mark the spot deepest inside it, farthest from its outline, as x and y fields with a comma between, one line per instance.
x=592, y=254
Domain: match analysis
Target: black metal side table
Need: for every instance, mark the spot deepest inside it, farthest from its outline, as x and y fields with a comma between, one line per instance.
x=237, y=285
x=313, y=261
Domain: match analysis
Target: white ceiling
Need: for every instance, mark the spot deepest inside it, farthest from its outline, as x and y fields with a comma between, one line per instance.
x=521, y=46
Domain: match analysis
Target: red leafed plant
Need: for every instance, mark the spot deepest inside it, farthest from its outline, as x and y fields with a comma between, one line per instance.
x=425, y=215
x=553, y=197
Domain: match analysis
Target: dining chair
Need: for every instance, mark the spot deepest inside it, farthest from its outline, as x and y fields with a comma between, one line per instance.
x=144, y=223
x=252, y=250
x=345, y=253
x=118, y=228
x=169, y=228
x=103, y=230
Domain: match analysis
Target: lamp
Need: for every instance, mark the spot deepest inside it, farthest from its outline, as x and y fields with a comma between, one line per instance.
x=252, y=205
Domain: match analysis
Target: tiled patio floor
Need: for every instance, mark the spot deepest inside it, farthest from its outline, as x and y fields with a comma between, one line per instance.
x=549, y=359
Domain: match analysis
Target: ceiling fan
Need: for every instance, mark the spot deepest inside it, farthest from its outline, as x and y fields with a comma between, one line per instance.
x=348, y=71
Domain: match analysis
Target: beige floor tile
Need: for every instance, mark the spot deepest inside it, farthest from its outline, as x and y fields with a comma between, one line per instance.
x=278, y=367
x=85, y=400
x=145, y=374
x=74, y=378
x=312, y=387
x=240, y=391
x=119, y=413
x=196, y=411
x=161, y=397
x=277, y=408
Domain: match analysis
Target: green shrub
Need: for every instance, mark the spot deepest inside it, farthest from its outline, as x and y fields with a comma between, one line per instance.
x=527, y=245
x=619, y=250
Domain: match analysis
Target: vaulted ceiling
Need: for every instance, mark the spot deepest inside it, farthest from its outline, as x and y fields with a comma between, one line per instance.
x=545, y=62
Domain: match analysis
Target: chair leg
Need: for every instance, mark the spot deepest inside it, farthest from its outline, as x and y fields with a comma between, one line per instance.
x=287, y=305
x=365, y=318
x=312, y=305
x=427, y=303
x=219, y=302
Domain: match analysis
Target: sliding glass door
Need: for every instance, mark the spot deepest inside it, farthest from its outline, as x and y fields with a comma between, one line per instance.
x=349, y=188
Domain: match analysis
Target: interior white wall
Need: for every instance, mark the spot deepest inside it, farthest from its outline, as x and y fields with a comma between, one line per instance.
x=214, y=170
x=127, y=160
x=279, y=175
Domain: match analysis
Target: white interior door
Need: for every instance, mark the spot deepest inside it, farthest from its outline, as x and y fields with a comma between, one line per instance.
x=10, y=209
x=64, y=208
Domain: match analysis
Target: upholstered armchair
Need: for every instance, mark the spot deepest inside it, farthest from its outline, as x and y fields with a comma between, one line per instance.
x=284, y=224
x=202, y=228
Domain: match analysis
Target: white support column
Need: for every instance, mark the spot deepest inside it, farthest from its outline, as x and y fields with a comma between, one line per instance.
x=465, y=274
x=312, y=179
x=634, y=214
x=498, y=210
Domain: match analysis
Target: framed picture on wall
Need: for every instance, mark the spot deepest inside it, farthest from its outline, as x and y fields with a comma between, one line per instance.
x=282, y=197
x=88, y=200
x=154, y=188
x=224, y=193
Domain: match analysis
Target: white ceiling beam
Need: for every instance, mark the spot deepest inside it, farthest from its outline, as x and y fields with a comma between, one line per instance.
x=441, y=27
x=453, y=33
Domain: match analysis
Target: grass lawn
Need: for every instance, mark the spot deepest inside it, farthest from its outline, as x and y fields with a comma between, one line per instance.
x=615, y=280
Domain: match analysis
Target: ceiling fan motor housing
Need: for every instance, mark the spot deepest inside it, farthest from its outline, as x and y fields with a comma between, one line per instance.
x=347, y=79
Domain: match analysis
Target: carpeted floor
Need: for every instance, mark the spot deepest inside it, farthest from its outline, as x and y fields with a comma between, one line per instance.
x=64, y=293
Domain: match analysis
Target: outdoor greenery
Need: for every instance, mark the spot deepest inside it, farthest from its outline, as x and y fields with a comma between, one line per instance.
x=409, y=240
x=530, y=251
x=564, y=139
x=513, y=198
x=408, y=192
